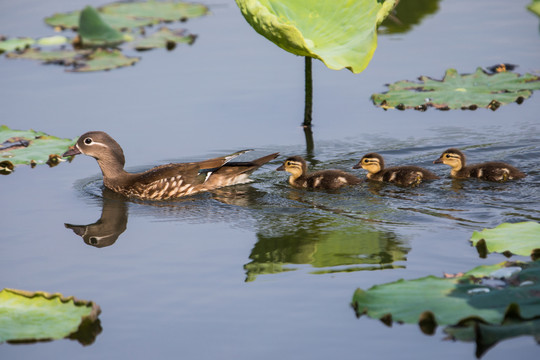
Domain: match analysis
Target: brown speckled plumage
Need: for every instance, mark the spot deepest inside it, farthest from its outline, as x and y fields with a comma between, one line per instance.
x=322, y=179
x=165, y=181
x=490, y=171
x=407, y=175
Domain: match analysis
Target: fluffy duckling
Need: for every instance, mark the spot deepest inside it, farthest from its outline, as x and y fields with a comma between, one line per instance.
x=490, y=171
x=323, y=179
x=400, y=175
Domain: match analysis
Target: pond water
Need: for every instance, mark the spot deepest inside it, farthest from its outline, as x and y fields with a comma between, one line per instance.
x=261, y=270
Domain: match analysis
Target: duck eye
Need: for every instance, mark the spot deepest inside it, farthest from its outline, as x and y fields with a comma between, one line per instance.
x=288, y=163
x=447, y=156
x=88, y=141
x=365, y=161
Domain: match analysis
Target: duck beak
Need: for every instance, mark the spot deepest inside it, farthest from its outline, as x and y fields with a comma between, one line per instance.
x=74, y=150
x=357, y=166
x=438, y=161
x=281, y=168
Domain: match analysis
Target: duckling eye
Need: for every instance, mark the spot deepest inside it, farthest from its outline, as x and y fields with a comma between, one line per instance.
x=88, y=141
x=447, y=156
x=288, y=163
x=365, y=161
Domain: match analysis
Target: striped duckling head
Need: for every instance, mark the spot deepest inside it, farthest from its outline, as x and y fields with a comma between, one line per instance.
x=371, y=162
x=453, y=158
x=295, y=165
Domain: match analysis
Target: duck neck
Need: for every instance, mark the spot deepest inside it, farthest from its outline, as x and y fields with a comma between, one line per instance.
x=111, y=170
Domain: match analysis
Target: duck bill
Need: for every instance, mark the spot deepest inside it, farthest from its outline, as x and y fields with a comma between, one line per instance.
x=438, y=161
x=357, y=166
x=281, y=168
x=72, y=151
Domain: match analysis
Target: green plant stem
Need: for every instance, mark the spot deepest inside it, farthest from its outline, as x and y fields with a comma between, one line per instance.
x=309, y=94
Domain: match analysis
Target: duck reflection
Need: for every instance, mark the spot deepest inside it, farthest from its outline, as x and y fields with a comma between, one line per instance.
x=327, y=243
x=111, y=224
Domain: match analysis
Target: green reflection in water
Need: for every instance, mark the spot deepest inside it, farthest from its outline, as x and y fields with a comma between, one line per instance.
x=331, y=244
x=407, y=14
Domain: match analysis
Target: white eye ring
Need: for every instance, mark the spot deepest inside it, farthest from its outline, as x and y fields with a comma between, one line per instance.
x=88, y=141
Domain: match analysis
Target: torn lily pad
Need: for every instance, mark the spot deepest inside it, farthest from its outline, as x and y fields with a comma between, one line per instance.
x=164, y=38
x=123, y=16
x=39, y=316
x=342, y=34
x=456, y=91
x=103, y=60
x=520, y=238
x=30, y=147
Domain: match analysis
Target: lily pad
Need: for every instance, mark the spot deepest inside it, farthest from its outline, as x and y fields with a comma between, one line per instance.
x=130, y=15
x=519, y=238
x=37, y=316
x=342, y=34
x=15, y=44
x=457, y=91
x=95, y=32
x=30, y=147
x=63, y=57
x=452, y=300
x=164, y=38
x=103, y=60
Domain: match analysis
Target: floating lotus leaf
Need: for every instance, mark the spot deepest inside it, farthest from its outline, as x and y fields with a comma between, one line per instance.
x=103, y=60
x=452, y=300
x=37, y=316
x=164, y=38
x=95, y=32
x=342, y=34
x=134, y=14
x=457, y=91
x=31, y=147
x=519, y=238
x=52, y=40
x=64, y=57
x=14, y=44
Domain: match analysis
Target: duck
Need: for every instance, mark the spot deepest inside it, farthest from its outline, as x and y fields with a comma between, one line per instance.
x=165, y=181
x=490, y=171
x=407, y=175
x=322, y=179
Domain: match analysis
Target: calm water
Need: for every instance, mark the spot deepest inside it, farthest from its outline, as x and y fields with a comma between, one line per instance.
x=261, y=270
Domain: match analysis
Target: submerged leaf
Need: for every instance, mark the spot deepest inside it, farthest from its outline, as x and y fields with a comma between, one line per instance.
x=30, y=147
x=519, y=238
x=457, y=91
x=342, y=34
x=34, y=316
x=103, y=60
x=164, y=38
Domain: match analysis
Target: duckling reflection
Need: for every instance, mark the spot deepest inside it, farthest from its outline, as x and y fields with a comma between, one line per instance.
x=111, y=224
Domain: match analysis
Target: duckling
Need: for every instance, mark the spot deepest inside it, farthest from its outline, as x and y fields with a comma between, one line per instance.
x=165, y=181
x=400, y=175
x=323, y=179
x=490, y=171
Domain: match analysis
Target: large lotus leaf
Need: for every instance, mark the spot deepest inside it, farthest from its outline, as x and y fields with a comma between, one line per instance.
x=15, y=44
x=164, y=38
x=451, y=300
x=33, y=316
x=103, y=60
x=519, y=238
x=134, y=14
x=95, y=32
x=457, y=91
x=30, y=147
x=341, y=33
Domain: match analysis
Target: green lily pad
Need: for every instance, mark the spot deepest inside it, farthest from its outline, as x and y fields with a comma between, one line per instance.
x=52, y=40
x=452, y=300
x=30, y=147
x=164, y=38
x=519, y=238
x=130, y=15
x=37, y=316
x=15, y=44
x=103, y=60
x=457, y=91
x=95, y=32
x=342, y=34
x=64, y=57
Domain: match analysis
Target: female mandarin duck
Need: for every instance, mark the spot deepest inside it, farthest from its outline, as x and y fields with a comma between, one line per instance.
x=165, y=181
x=407, y=175
x=490, y=171
x=323, y=179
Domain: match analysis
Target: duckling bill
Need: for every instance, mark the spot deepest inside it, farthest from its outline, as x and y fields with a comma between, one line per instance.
x=490, y=171
x=323, y=179
x=165, y=181
x=408, y=175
